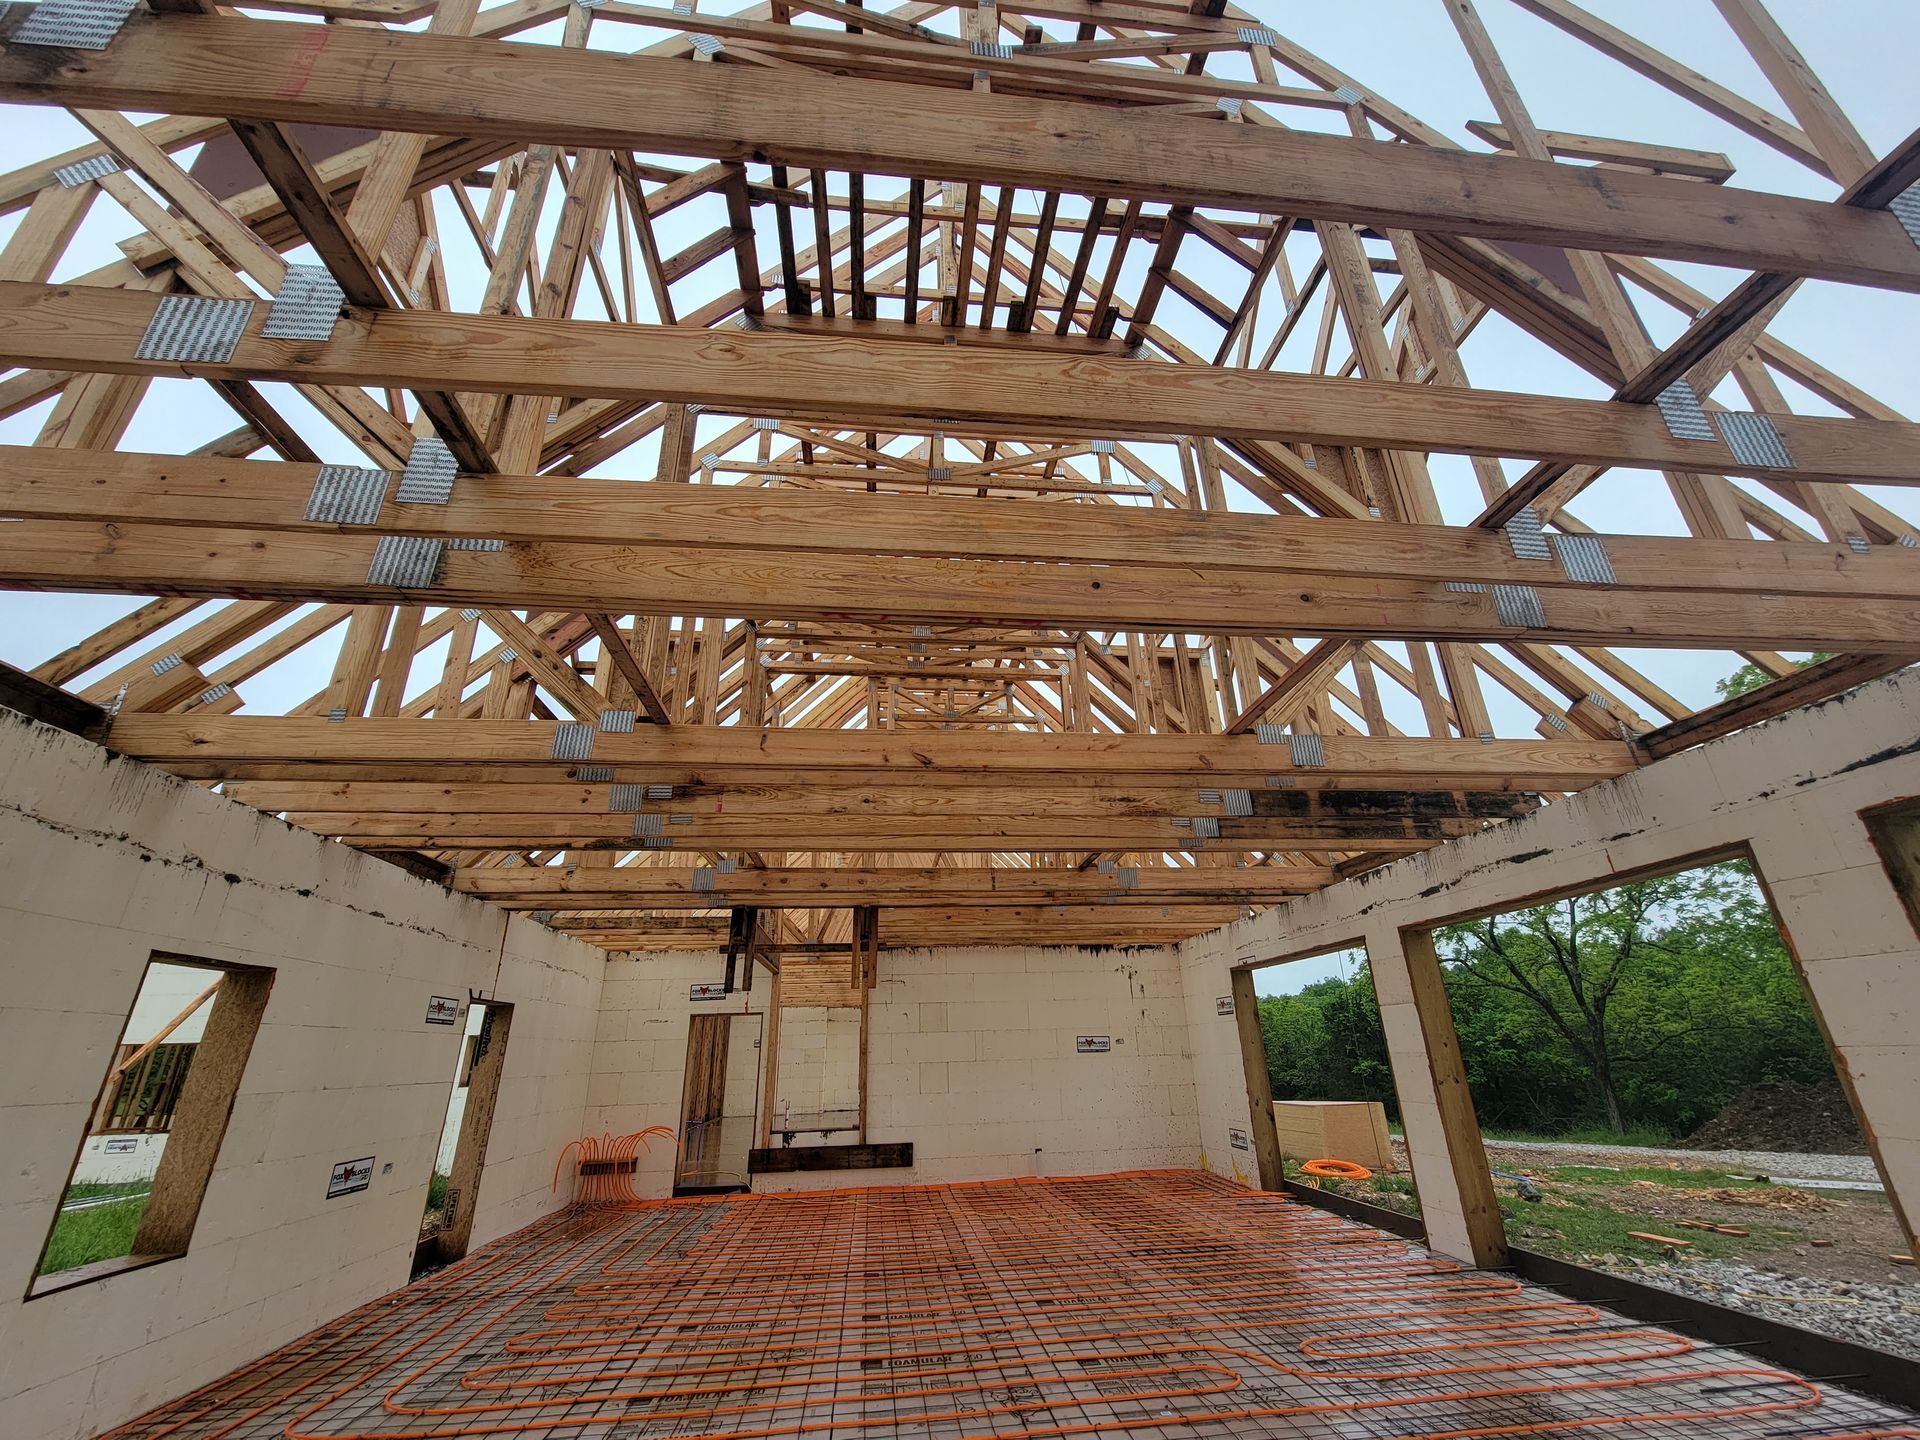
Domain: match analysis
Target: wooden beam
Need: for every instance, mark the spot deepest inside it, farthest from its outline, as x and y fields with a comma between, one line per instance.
x=220, y=493
x=264, y=747
x=424, y=82
x=649, y=887
x=50, y=705
x=91, y=329
x=601, y=578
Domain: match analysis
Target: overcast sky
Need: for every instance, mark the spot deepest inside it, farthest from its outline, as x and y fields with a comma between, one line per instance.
x=1403, y=49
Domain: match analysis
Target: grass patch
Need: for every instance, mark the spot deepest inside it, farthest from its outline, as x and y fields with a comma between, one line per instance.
x=1655, y=1139
x=437, y=1191
x=93, y=1190
x=101, y=1232
x=1659, y=1174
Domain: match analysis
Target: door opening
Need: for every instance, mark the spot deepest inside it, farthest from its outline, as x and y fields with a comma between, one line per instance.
x=447, y=1227
x=718, y=1107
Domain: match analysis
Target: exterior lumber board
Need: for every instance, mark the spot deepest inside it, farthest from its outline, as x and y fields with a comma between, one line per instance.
x=214, y=492
x=636, y=887
x=95, y=329
x=486, y=88
x=696, y=754
x=614, y=579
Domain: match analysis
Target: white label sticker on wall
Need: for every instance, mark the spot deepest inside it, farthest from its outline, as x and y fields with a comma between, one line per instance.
x=121, y=1147
x=1238, y=1139
x=707, y=990
x=350, y=1176
x=1223, y=1005
x=1092, y=1044
x=443, y=1010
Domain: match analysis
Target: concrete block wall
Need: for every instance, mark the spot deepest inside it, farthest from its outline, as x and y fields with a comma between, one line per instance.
x=1788, y=792
x=1219, y=1082
x=103, y=862
x=639, y=1061
x=971, y=1056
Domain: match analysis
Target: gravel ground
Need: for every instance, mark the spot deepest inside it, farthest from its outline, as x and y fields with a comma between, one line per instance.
x=1742, y=1162
x=1887, y=1317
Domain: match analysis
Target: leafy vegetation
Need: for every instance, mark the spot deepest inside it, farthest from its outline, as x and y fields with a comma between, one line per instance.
x=1638, y=1011
x=437, y=1192
x=99, y=1232
x=1752, y=677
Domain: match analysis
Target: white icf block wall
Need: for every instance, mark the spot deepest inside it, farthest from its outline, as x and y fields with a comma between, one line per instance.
x=1790, y=792
x=972, y=1056
x=103, y=862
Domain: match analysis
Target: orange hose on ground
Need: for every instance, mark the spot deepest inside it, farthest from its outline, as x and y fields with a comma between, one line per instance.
x=1331, y=1169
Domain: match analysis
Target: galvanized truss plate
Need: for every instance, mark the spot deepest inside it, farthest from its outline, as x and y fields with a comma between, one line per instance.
x=657, y=842
x=469, y=544
x=702, y=879
x=1107, y=867
x=1524, y=534
x=1680, y=408
x=1127, y=877
x=1229, y=105
x=644, y=825
x=1281, y=782
x=1155, y=485
x=991, y=50
x=764, y=422
x=1206, y=827
x=1754, y=440
x=573, y=740
x=539, y=917
x=1906, y=209
x=593, y=774
x=707, y=44
x=1237, y=802
x=1466, y=587
x=1908, y=541
x=506, y=655
x=939, y=472
x=1257, y=35
x=627, y=797
x=306, y=307
x=337, y=715
x=1270, y=734
x=213, y=693
x=1347, y=95
x=1102, y=447
x=1309, y=750
x=73, y=24
x=1858, y=544
x=347, y=495
x=616, y=722
x=727, y=867
x=658, y=791
x=1584, y=558
x=81, y=171
x=677, y=819
x=470, y=614
x=748, y=322
x=166, y=663
x=409, y=561
x=1557, y=722
x=428, y=478
x=1209, y=797
x=1519, y=606
x=194, y=328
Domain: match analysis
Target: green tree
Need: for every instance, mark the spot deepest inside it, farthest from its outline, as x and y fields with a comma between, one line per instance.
x=1581, y=960
x=1752, y=677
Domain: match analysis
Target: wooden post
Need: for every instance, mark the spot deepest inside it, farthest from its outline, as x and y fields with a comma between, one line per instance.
x=1253, y=1059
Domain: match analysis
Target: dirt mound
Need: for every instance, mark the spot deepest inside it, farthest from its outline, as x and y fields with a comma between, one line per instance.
x=1782, y=1115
